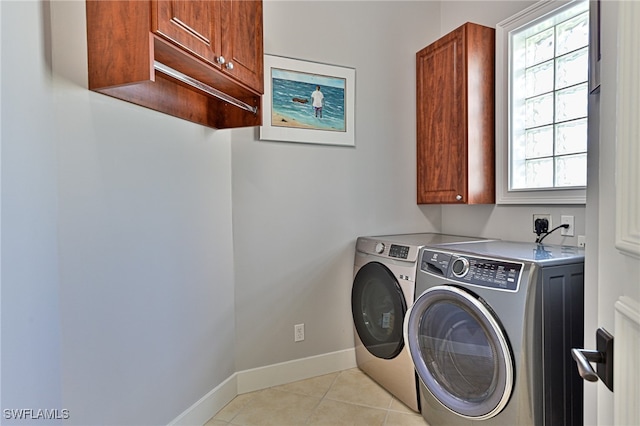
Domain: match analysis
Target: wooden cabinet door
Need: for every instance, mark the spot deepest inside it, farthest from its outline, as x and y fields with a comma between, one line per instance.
x=242, y=41
x=455, y=118
x=194, y=25
x=225, y=33
x=441, y=121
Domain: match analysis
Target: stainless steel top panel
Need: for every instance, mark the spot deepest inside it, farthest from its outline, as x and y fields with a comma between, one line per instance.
x=381, y=245
x=543, y=254
x=422, y=239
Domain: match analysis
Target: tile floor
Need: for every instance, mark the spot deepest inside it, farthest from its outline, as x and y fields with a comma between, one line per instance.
x=348, y=397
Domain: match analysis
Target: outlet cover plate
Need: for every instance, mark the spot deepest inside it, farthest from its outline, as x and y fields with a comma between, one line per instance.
x=567, y=219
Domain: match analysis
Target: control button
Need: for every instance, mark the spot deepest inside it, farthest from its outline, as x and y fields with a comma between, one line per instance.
x=460, y=267
x=379, y=248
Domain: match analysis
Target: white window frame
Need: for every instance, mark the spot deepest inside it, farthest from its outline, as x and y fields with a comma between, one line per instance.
x=503, y=94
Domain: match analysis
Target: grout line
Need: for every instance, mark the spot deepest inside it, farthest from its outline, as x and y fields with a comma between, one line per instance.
x=390, y=404
x=386, y=418
x=388, y=410
x=335, y=379
x=312, y=412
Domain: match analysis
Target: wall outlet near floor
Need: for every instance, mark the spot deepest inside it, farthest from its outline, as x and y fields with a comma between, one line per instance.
x=298, y=332
x=545, y=216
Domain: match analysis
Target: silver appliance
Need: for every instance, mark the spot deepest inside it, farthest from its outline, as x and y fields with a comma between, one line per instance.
x=491, y=332
x=383, y=289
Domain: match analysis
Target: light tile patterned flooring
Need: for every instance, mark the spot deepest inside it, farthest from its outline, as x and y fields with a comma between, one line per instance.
x=347, y=397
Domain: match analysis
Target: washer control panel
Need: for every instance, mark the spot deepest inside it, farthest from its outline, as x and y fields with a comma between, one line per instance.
x=483, y=272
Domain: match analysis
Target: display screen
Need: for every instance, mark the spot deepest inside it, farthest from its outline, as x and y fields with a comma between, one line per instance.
x=401, y=252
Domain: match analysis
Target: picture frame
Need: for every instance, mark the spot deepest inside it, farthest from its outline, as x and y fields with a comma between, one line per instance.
x=290, y=92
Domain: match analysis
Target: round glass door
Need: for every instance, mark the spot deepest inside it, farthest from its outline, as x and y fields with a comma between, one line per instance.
x=378, y=308
x=460, y=352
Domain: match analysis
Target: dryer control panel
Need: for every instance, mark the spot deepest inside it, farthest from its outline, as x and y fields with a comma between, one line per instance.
x=484, y=272
x=401, y=252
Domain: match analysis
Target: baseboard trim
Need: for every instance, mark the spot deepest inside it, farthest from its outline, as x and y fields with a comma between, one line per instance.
x=291, y=371
x=261, y=378
x=200, y=412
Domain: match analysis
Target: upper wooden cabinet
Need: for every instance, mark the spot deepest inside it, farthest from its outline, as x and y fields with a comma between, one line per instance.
x=201, y=60
x=226, y=34
x=455, y=118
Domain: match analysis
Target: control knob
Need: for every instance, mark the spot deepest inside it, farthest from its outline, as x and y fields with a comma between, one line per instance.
x=460, y=267
x=379, y=248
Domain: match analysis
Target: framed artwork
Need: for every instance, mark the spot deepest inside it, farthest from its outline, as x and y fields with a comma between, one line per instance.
x=308, y=102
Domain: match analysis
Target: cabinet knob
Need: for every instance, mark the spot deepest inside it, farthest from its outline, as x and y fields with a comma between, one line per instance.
x=458, y=197
x=229, y=65
x=221, y=60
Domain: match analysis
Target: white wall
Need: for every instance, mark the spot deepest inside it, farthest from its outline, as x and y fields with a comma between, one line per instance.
x=117, y=268
x=456, y=12
x=30, y=274
x=298, y=209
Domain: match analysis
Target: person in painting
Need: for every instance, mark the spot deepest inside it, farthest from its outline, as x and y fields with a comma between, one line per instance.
x=318, y=101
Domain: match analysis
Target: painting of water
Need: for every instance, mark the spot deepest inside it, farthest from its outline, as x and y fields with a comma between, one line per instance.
x=295, y=102
x=308, y=102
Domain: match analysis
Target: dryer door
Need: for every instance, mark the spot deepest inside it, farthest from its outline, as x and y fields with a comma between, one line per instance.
x=378, y=308
x=460, y=352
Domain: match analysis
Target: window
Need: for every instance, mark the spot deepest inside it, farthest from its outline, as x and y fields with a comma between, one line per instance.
x=542, y=71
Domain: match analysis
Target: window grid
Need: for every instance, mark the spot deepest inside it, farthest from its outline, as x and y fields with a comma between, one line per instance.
x=541, y=163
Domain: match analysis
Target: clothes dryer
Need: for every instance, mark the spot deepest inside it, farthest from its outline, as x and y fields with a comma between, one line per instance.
x=383, y=289
x=491, y=332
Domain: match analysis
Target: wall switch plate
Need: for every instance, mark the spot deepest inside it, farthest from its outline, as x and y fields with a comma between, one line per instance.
x=568, y=220
x=298, y=330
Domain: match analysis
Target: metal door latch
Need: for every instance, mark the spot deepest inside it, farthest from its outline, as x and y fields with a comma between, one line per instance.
x=603, y=357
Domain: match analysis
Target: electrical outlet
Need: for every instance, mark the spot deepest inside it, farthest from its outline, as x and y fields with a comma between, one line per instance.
x=298, y=331
x=582, y=241
x=566, y=220
x=542, y=216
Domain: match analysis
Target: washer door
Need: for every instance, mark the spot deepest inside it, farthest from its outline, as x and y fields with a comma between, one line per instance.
x=378, y=308
x=460, y=352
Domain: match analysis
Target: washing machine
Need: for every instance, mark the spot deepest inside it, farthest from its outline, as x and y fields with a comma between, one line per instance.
x=491, y=331
x=383, y=289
